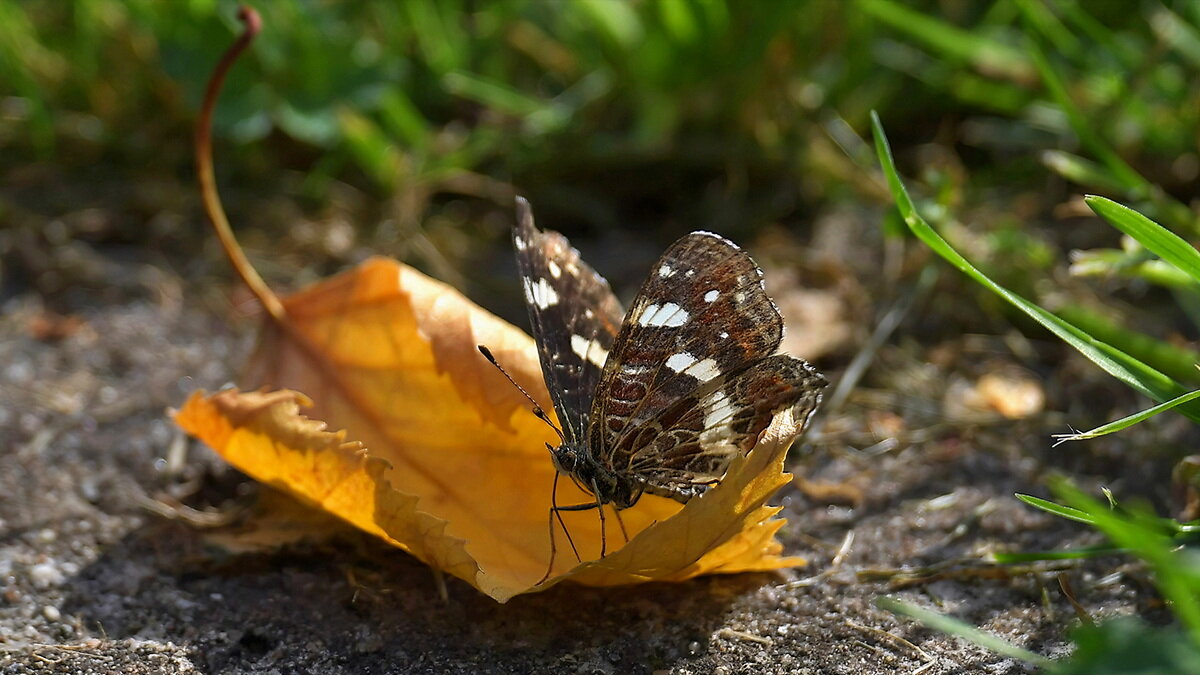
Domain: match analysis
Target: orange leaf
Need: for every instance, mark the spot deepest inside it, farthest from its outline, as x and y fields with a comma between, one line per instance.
x=446, y=460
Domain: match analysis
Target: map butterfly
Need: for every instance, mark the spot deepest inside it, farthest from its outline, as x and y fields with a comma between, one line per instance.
x=662, y=398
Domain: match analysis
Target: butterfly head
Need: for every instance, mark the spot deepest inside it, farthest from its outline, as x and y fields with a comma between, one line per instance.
x=577, y=462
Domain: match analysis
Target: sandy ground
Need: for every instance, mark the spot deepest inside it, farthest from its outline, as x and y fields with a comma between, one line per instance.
x=92, y=582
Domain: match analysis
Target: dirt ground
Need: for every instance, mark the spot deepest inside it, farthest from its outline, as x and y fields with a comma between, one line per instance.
x=92, y=355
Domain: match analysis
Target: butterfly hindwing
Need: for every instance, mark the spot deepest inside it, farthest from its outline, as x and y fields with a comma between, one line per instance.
x=690, y=445
x=701, y=315
x=574, y=314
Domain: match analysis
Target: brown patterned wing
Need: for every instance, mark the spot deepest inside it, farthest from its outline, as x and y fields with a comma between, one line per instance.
x=701, y=316
x=574, y=314
x=689, y=446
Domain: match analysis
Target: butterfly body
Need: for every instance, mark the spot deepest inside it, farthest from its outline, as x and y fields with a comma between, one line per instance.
x=661, y=399
x=609, y=487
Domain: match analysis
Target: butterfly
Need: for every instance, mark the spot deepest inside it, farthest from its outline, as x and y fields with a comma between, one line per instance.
x=659, y=399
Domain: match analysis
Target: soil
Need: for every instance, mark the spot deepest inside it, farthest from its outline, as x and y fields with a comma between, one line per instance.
x=99, y=335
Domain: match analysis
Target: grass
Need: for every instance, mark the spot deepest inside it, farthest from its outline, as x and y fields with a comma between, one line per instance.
x=1111, y=358
x=1164, y=545
x=421, y=96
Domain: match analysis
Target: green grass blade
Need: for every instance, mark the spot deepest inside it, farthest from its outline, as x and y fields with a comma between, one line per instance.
x=1188, y=300
x=1038, y=15
x=1176, y=362
x=1176, y=570
x=1043, y=556
x=20, y=44
x=1126, y=422
x=490, y=92
x=1178, y=33
x=1056, y=509
x=1126, y=645
x=1106, y=39
x=1158, y=239
x=1082, y=171
x=989, y=56
x=1111, y=262
x=1168, y=525
x=371, y=148
x=617, y=23
x=403, y=120
x=440, y=37
x=1125, y=368
x=953, y=626
x=1082, y=126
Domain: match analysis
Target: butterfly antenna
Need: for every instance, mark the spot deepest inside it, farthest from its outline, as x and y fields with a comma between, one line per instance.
x=537, y=409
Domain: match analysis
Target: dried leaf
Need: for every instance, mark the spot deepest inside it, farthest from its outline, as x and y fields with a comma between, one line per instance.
x=445, y=459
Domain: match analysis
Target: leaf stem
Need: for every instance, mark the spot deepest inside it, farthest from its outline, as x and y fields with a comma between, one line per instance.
x=204, y=170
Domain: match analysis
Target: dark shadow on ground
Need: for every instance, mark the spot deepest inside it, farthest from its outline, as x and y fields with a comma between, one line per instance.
x=359, y=607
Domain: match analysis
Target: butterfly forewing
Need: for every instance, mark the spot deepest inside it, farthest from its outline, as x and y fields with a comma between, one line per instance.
x=575, y=319
x=700, y=316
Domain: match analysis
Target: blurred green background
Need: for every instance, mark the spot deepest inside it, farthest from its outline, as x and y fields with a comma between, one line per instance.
x=405, y=128
x=656, y=117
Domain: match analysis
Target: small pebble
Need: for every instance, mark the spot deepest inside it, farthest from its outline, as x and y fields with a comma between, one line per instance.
x=51, y=613
x=90, y=489
x=44, y=575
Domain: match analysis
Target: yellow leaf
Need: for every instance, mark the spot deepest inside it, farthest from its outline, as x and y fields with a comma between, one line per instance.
x=444, y=458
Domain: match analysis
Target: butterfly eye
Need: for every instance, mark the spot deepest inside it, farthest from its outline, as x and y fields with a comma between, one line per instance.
x=565, y=458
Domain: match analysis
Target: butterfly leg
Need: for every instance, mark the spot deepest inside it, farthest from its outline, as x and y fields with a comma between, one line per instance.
x=551, y=515
x=624, y=532
x=556, y=512
x=600, y=507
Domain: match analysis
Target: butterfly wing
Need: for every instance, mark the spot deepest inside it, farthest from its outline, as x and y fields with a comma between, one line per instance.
x=697, y=338
x=574, y=314
x=690, y=445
